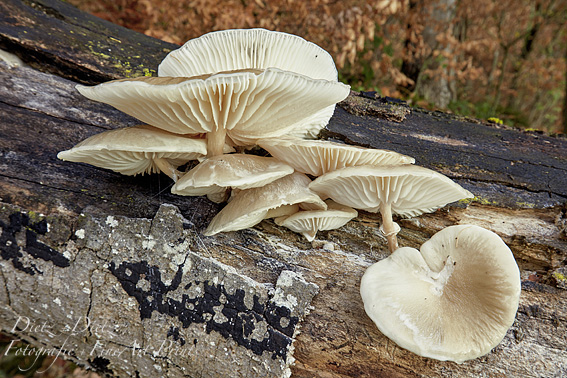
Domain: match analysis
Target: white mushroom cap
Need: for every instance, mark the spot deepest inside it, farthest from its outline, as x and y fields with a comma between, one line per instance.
x=310, y=126
x=251, y=206
x=454, y=300
x=239, y=171
x=309, y=222
x=317, y=157
x=135, y=150
x=410, y=190
x=238, y=49
x=246, y=105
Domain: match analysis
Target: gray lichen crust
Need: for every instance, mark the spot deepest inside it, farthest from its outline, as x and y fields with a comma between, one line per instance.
x=129, y=297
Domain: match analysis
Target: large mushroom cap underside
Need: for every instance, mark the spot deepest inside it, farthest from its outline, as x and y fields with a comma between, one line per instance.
x=229, y=50
x=454, y=300
x=249, y=105
x=134, y=150
x=317, y=157
x=249, y=207
x=230, y=171
x=410, y=190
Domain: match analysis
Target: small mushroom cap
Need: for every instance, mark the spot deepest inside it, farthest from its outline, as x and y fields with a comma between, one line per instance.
x=239, y=171
x=453, y=301
x=133, y=150
x=410, y=190
x=311, y=221
x=238, y=49
x=249, y=104
x=317, y=157
x=249, y=207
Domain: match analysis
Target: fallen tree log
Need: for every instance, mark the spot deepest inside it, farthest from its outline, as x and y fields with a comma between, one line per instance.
x=113, y=272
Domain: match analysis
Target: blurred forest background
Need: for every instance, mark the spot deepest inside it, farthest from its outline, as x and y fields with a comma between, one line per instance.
x=503, y=59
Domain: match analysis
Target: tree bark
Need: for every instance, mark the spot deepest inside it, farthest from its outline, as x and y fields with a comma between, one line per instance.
x=565, y=98
x=114, y=271
x=413, y=59
x=437, y=87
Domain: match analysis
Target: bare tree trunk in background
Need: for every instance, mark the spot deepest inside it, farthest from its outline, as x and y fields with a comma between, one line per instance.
x=527, y=48
x=439, y=89
x=506, y=54
x=413, y=60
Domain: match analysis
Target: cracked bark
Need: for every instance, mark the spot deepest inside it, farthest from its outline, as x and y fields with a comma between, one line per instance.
x=519, y=179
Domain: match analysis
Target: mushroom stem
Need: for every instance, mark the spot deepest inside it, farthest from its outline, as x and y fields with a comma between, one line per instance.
x=215, y=142
x=167, y=168
x=389, y=228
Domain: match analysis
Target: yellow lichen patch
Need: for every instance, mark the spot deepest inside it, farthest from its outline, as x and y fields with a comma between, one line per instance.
x=495, y=120
x=121, y=63
x=96, y=52
x=525, y=205
x=477, y=199
x=485, y=201
x=560, y=279
x=35, y=217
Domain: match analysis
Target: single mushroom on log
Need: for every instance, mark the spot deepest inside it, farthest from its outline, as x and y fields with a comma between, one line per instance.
x=214, y=176
x=309, y=222
x=317, y=157
x=236, y=49
x=454, y=299
x=249, y=207
x=138, y=150
x=406, y=190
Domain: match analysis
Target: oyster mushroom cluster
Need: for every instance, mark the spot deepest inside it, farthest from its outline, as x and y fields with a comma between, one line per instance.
x=231, y=90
